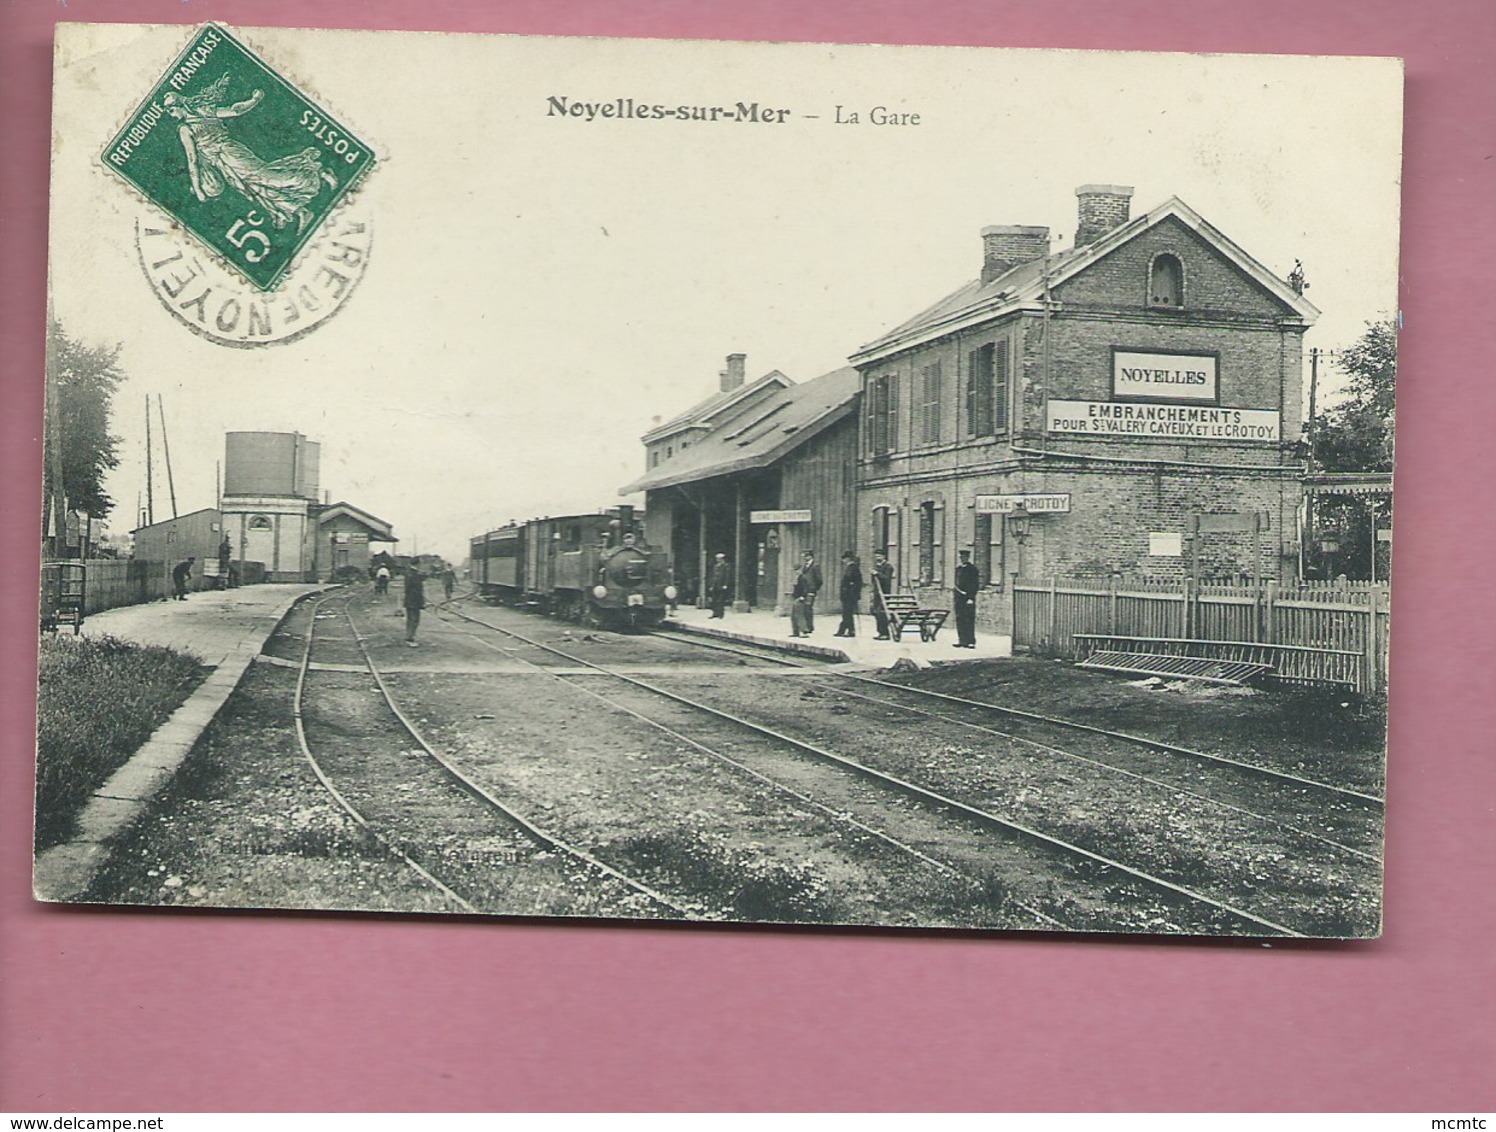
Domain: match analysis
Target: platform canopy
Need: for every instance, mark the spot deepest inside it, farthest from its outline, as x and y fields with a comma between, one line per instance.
x=1349, y=483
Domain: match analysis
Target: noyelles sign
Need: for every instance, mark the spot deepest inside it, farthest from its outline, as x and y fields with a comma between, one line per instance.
x=1138, y=376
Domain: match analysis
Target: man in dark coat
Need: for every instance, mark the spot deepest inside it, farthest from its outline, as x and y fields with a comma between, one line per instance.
x=415, y=601
x=882, y=586
x=719, y=585
x=181, y=576
x=851, y=594
x=968, y=581
x=807, y=585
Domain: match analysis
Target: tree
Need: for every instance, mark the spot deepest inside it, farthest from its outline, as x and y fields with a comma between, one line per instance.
x=79, y=450
x=1356, y=435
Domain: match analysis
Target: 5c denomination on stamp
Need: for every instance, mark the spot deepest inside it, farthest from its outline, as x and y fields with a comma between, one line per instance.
x=237, y=156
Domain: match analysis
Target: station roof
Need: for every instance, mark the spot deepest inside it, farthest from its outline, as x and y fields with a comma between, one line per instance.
x=703, y=414
x=175, y=519
x=1024, y=286
x=379, y=530
x=779, y=423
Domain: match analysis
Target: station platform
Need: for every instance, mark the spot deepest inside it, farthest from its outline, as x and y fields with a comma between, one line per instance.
x=765, y=627
x=213, y=625
x=224, y=629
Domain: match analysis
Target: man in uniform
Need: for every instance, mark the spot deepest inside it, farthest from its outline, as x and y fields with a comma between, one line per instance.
x=719, y=585
x=882, y=586
x=968, y=580
x=807, y=585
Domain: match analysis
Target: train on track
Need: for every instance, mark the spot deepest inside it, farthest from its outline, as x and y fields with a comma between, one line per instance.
x=592, y=568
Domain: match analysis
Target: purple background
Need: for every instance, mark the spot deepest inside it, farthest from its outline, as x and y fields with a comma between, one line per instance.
x=121, y=1010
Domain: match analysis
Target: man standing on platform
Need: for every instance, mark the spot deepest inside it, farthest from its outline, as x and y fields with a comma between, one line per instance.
x=968, y=580
x=882, y=587
x=851, y=594
x=807, y=585
x=719, y=585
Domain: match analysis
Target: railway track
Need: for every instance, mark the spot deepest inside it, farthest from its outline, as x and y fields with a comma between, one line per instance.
x=714, y=750
x=397, y=794
x=933, y=800
x=1187, y=753
x=1356, y=811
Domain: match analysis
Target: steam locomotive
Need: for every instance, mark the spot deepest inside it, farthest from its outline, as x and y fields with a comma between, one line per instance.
x=592, y=568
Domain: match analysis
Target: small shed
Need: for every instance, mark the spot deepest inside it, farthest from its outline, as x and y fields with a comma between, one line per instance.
x=344, y=533
x=197, y=534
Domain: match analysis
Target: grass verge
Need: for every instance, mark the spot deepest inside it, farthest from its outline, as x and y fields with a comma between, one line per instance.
x=98, y=699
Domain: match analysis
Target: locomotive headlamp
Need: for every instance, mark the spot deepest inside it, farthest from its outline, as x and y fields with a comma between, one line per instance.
x=671, y=593
x=599, y=592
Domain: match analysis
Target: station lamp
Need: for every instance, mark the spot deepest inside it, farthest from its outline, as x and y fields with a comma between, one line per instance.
x=1018, y=522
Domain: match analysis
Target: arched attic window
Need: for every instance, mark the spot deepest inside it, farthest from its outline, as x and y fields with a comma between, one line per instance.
x=1166, y=281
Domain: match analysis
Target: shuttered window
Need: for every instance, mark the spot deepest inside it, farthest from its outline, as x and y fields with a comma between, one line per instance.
x=882, y=530
x=979, y=392
x=929, y=403
x=931, y=539
x=987, y=550
x=987, y=389
x=981, y=545
x=1000, y=386
x=882, y=414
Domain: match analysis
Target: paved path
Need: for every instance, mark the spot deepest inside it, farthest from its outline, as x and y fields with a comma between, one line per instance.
x=224, y=629
x=765, y=627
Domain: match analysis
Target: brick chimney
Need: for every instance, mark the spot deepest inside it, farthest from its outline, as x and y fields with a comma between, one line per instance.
x=1102, y=208
x=732, y=377
x=1005, y=246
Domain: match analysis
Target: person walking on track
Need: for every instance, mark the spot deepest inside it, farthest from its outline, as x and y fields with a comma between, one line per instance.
x=415, y=601
x=968, y=580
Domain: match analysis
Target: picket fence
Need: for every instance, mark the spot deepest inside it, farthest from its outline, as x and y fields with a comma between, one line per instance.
x=1338, y=616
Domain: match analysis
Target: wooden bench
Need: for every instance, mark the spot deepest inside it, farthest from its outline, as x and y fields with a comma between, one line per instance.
x=904, y=611
x=1217, y=662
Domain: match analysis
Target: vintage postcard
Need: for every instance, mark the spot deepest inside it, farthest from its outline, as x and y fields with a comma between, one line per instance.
x=909, y=487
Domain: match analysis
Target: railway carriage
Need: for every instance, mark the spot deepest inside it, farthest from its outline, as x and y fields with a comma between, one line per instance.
x=588, y=568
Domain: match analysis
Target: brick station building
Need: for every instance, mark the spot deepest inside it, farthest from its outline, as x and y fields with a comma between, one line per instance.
x=1129, y=405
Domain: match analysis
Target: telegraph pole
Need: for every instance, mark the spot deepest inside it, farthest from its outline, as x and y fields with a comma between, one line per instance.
x=58, y=500
x=150, y=499
x=166, y=450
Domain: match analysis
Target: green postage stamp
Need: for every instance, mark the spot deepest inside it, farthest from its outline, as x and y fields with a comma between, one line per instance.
x=238, y=156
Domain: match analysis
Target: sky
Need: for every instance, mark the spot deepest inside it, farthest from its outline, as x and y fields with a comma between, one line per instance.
x=542, y=289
